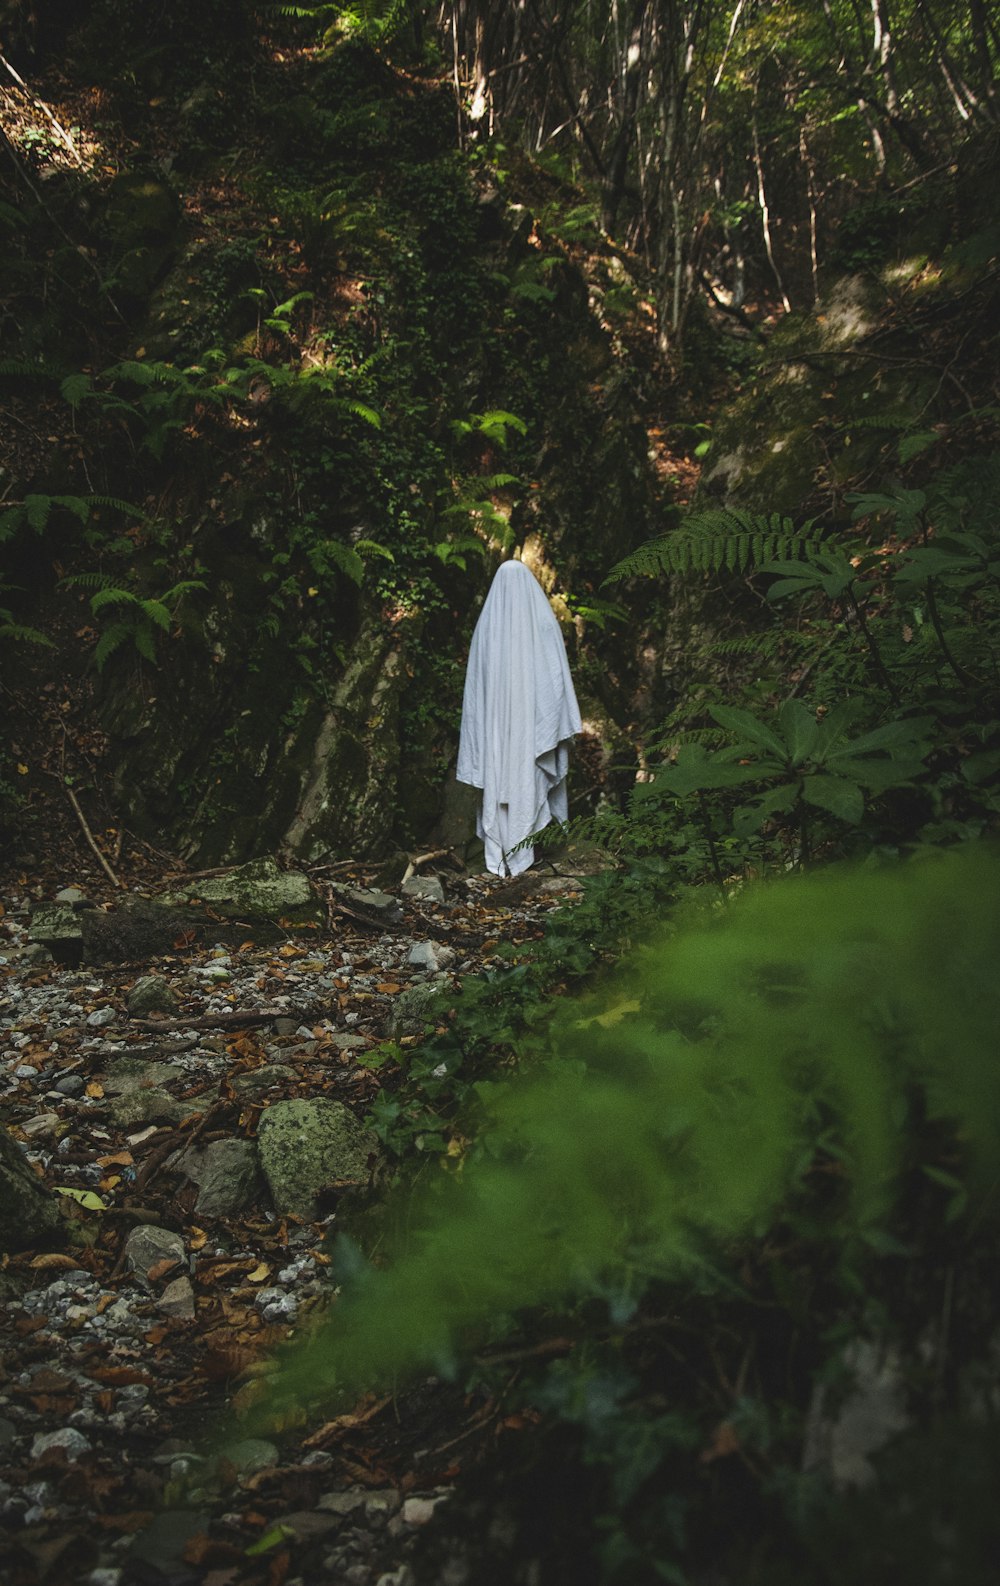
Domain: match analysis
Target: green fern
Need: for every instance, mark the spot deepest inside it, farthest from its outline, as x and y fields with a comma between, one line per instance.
x=18, y=633
x=24, y=369
x=138, y=618
x=723, y=539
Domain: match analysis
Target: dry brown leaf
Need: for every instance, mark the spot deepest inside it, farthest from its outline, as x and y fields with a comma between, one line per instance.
x=161, y=1268
x=116, y=1159
x=725, y=1440
x=53, y=1261
x=94, y=1090
x=197, y=1239
x=260, y=1273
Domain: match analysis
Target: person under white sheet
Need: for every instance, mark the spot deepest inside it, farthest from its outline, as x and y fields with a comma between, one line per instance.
x=519, y=713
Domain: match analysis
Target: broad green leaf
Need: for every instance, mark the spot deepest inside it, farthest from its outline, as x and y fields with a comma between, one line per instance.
x=87, y=1198
x=750, y=817
x=836, y=795
x=744, y=725
x=800, y=729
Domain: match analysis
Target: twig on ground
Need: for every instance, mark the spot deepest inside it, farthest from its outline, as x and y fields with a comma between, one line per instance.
x=212, y=1021
x=78, y=812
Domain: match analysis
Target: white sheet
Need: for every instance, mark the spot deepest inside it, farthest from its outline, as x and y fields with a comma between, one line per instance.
x=519, y=714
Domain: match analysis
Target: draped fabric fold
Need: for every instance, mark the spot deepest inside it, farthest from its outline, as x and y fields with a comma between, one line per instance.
x=519, y=713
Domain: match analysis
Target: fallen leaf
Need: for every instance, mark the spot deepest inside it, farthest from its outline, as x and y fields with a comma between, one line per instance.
x=116, y=1159
x=259, y=1273
x=52, y=1261
x=86, y=1198
x=160, y=1269
x=197, y=1239
x=95, y=1090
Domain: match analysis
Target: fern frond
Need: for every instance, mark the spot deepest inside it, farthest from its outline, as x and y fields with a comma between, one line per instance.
x=110, y=596
x=111, y=639
x=20, y=634
x=24, y=369
x=723, y=539
x=87, y=581
x=156, y=612
x=881, y=421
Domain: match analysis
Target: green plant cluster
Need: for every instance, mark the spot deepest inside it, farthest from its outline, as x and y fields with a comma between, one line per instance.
x=779, y=1118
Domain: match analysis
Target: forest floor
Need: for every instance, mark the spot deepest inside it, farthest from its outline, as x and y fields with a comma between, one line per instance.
x=115, y=1376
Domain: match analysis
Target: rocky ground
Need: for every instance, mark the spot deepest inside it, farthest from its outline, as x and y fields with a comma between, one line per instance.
x=195, y=1115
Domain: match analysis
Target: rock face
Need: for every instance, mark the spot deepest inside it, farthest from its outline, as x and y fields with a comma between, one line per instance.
x=28, y=1213
x=307, y=1146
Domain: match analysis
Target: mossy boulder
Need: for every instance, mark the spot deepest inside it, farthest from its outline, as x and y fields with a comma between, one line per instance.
x=309, y=1146
x=255, y=891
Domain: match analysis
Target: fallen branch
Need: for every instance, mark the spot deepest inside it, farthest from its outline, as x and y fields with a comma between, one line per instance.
x=199, y=875
x=40, y=104
x=90, y=837
x=215, y=1021
x=423, y=859
x=366, y=919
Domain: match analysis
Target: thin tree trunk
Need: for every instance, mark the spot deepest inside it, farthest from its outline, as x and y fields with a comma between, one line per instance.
x=765, y=218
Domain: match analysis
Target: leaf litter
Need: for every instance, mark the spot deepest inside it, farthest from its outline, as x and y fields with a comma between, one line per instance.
x=117, y=1368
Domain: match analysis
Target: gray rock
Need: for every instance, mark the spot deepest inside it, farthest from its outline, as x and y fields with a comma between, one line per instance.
x=152, y=994
x=139, y=1106
x=101, y=1017
x=37, y=954
x=70, y=1085
x=343, y=1503
x=72, y=896
x=72, y=1443
x=227, y=1174
x=417, y=1511
x=346, y=1042
x=256, y=1080
x=430, y=955
x=177, y=1299
x=412, y=1009
x=306, y=1145
x=43, y=1126
x=134, y=1072
x=29, y=1214
x=428, y=888
x=379, y=905
x=8, y=1432
x=251, y=1454
x=148, y=1245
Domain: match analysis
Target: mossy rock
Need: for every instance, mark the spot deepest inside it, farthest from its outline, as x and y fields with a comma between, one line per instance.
x=255, y=891
x=308, y=1146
